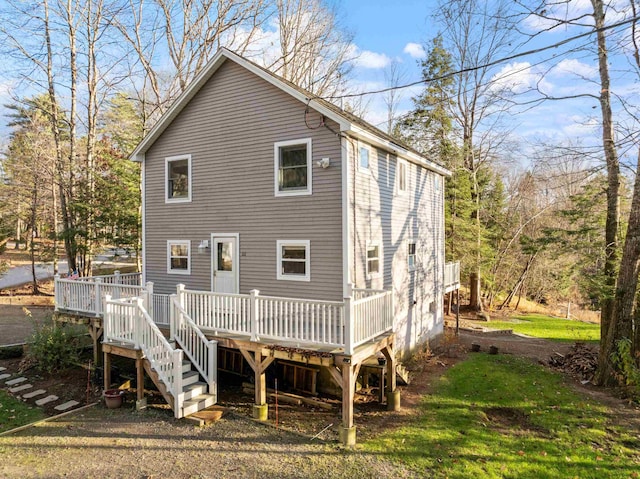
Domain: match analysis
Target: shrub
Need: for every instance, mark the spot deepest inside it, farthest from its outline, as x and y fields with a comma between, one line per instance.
x=53, y=348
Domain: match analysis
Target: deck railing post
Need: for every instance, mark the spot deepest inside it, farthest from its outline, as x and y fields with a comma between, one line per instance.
x=349, y=319
x=178, y=394
x=137, y=323
x=148, y=298
x=253, y=313
x=56, y=290
x=173, y=299
x=212, y=351
x=98, y=298
x=117, y=279
x=107, y=323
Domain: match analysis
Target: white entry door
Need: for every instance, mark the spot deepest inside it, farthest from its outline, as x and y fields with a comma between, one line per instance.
x=225, y=263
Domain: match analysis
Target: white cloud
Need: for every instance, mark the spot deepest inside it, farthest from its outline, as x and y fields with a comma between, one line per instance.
x=571, y=66
x=414, y=50
x=369, y=59
x=516, y=77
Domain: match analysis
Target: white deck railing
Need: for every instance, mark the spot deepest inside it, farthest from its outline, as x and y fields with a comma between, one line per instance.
x=372, y=315
x=300, y=320
x=201, y=351
x=86, y=295
x=127, y=320
x=451, y=276
x=303, y=322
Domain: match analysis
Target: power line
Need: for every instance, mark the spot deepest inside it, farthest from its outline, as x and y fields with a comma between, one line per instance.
x=486, y=65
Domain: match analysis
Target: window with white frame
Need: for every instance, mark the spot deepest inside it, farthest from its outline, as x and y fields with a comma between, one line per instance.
x=373, y=260
x=179, y=256
x=178, y=179
x=411, y=255
x=292, y=161
x=293, y=260
x=363, y=158
x=401, y=174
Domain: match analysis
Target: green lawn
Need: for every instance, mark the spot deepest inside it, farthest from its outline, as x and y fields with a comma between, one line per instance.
x=503, y=417
x=547, y=327
x=14, y=413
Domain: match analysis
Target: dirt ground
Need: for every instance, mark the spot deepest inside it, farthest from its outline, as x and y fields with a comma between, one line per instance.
x=151, y=444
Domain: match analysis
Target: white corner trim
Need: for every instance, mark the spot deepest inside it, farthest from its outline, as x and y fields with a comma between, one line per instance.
x=276, y=167
x=346, y=232
x=179, y=242
x=292, y=277
x=143, y=234
x=168, y=160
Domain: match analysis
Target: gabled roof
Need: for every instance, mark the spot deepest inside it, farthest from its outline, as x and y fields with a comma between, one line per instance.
x=349, y=123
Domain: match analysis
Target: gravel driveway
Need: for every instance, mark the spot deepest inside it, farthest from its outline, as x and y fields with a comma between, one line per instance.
x=150, y=444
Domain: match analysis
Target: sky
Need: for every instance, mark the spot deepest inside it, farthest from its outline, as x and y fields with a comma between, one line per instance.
x=398, y=29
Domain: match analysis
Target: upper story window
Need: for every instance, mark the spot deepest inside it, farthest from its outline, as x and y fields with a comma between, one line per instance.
x=401, y=176
x=373, y=260
x=178, y=179
x=179, y=257
x=363, y=158
x=292, y=160
x=293, y=260
x=411, y=255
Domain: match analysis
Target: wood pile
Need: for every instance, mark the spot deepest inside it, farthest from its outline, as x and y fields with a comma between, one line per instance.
x=581, y=362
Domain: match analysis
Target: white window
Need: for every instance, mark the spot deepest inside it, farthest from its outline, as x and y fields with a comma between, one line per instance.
x=411, y=255
x=373, y=260
x=401, y=175
x=177, y=181
x=292, y=161
x=363, y=158
x=293, y=260
x=179, y=257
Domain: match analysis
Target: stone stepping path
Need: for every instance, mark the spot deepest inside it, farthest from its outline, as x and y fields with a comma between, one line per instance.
x=13, y=382
x=65, y=406
x=19, y=384
x=32, y=394
x=17, y=389
x=48, y=399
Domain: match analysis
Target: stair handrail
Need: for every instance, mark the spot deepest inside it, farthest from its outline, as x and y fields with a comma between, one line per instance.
x=164, y=359
x=201, y=351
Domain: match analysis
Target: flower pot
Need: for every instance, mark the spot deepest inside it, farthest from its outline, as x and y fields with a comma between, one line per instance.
x=113, y=398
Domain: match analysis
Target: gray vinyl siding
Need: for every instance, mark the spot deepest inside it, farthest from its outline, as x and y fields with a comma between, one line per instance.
x=383, y=215
x=229, y=128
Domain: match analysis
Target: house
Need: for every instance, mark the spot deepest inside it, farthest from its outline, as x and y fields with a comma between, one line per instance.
x=278, y=222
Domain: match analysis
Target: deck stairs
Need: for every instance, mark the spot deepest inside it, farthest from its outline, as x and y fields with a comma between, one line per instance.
x=183, y=368
x=196, y=398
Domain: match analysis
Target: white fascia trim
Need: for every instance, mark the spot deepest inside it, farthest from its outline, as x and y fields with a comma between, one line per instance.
x=178, y=271
x=276, y=167
x=346, y=233
x=168, y=160
x=201, y=79
x=143, y=236
x=307, y=260
x=360, y=133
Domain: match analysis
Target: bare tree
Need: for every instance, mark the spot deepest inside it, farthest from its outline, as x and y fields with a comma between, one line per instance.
x=475, y=33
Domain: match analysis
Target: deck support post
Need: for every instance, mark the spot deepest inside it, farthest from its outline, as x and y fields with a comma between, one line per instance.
x=95, y=331
x=393, y=393
x=348, y=430
x=141, y=401
x=259, y=364
x=107, y=371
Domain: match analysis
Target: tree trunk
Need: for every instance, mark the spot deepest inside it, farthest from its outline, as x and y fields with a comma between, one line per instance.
x=604, y=375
